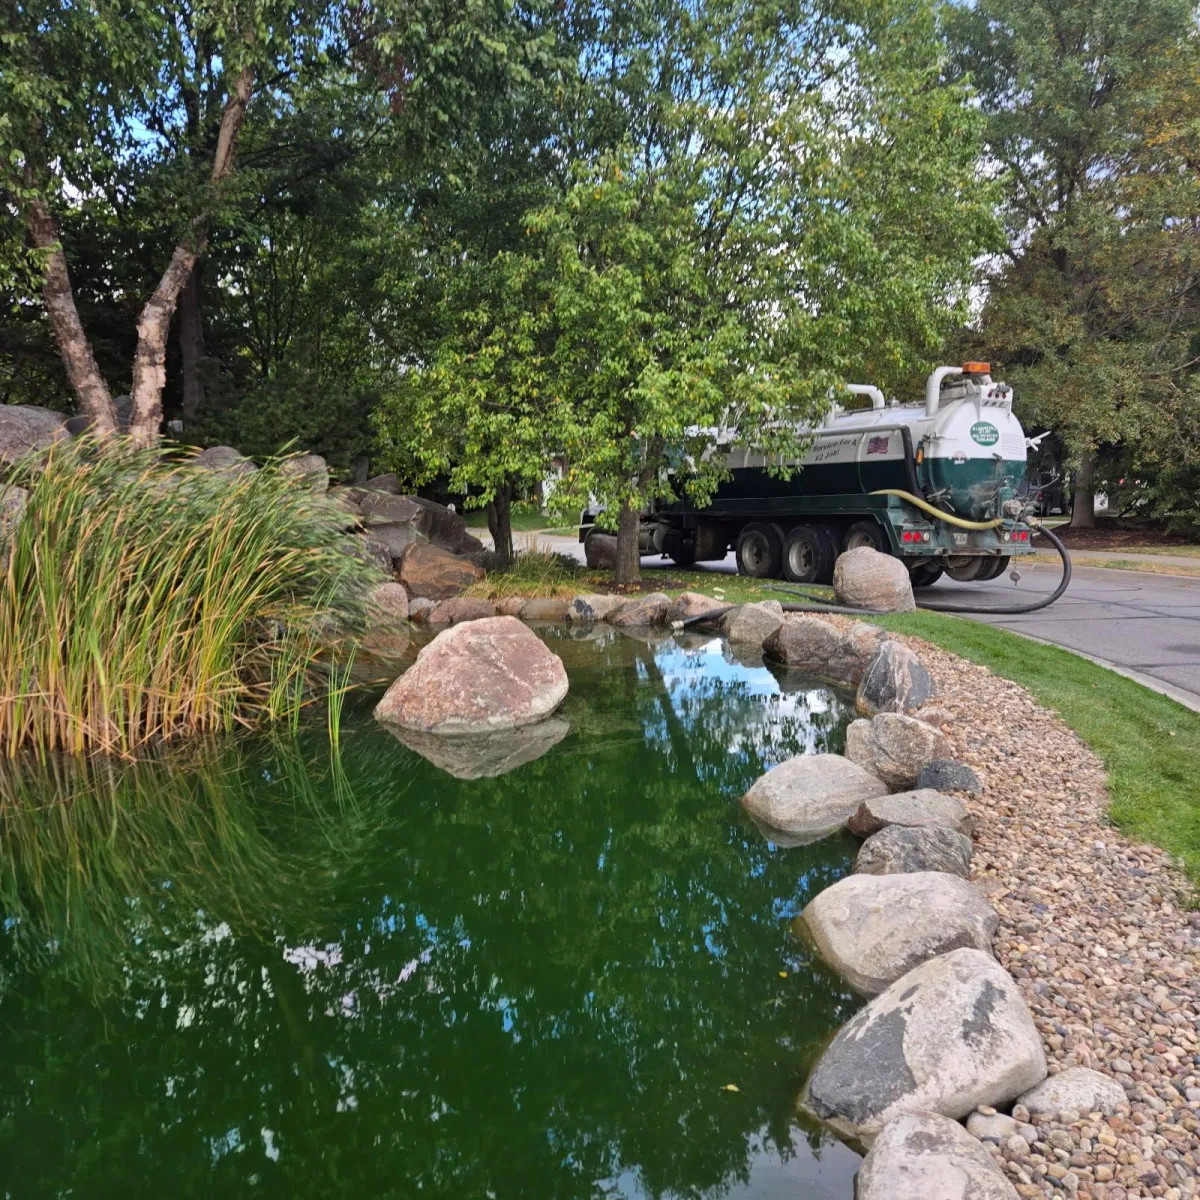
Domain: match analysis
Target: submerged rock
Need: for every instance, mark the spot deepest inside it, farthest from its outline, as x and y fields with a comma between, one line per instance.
x=485, y=755
x=864, y=578
x=899, y=849
x=871, y=929
x=894, y=681
x=895, y=747
x=952, y=1034
x=924, y=1156
x=475, y=677
x=810, y=796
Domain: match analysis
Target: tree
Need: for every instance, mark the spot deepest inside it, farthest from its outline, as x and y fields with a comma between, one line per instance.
x=1091, y=306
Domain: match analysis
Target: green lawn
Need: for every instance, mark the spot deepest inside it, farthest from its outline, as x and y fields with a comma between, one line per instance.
x=1150, y=744
x=526, y=518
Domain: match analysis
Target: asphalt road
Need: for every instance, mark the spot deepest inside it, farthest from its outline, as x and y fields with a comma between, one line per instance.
x=1144, y=626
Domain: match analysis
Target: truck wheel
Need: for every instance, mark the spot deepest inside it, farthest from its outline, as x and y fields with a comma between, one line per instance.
x=965, y=568
x=925, y=574
x=807, y=555
x=993, y=568
x=759, y=551
x=865, y=533
x=681, y=549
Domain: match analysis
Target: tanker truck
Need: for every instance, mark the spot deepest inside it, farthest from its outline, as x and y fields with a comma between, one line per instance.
x=939, y=484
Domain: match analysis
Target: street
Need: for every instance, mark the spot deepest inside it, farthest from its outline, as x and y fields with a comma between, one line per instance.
x=1145, y=626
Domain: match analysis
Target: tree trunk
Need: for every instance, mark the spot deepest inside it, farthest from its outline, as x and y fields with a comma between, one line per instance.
x=1083, y=506
x=629, y=557
x=191, y=345
x=150, y=358
x=91, y=391
x=499, y=519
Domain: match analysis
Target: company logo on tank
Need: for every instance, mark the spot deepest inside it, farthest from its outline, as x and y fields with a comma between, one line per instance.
x=985, y=433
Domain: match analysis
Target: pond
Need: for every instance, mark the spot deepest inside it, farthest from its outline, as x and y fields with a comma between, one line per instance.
x=262, y=967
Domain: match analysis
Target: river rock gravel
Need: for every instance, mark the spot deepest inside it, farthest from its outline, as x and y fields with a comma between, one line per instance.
x=1099, y=935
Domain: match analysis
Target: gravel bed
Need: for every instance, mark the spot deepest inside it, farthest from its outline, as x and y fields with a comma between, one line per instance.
x=1098, y=933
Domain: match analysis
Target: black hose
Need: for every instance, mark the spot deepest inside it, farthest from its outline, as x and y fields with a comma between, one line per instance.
x=814, y=604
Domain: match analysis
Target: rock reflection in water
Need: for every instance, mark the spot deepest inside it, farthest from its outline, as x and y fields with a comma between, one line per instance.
x=484, y=755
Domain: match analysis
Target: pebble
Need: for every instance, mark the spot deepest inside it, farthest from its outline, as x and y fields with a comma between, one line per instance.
x=1099, y=933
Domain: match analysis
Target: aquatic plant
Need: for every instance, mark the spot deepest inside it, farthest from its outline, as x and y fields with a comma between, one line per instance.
x=142, y=599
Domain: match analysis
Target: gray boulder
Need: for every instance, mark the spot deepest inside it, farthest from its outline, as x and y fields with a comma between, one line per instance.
x=900, y=849
x=384, y=483
x=432, y=522
x=543, y=608
x=650, y=609
x=809, y=796
x=600, y=551
x=864, y=578
x=871, y=929
x=25, y=428
x=396, y=539
x=458, y=609
x=920, y=809
x=855, y=649
x=925, y=1156
x=225, y=459
x=595, y=606
x=477, y=677
x=374, y=550
x=388, y=602
x=12, y=504
x=311, y=470
x=752, y=624
x=949, y=776
x=894, y=681
x=818, y=647
x=895, y=747
x=1077, y=1090
x=419, y=608
x=950, y=1035
x=692, y=604
x=992, y=1127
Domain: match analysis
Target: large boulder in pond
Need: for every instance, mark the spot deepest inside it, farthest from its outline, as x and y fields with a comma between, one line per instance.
x=817, y=647
x=25, y=428
x=894, y=681
x=951, y=1034
x=650, y=609
x=895, y=747
x=593, y=606
x=871, y=929
x=809, y=797
x=750, y=625
x=898, y=849
x=923, y=808
x=864, y=578
x=477, y=677
x=543, y=608
x=485, y=755
x=925, y=1156
x=429, y=571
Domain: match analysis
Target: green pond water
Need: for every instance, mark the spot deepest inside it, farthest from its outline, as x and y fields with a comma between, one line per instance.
x=258, y=968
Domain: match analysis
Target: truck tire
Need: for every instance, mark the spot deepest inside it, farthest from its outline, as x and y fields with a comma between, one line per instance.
x=965, y=568
x=759, y=551
x=808, y=555
x=865, y=533
x=994, y=568
x=926, y=573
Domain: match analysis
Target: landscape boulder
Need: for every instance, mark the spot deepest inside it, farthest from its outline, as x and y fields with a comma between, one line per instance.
x=752, y=624
x=899, y=849
x=225, y=459
x=856, y=646
x=948, y=776
x=895, y=747
x=12, y=504
x=871, y=929
x=864, y=578
x=600, y=551
x=476, y=677
x=810, y=796
x=428, y=570
x=485, y=755
x=894, y=681
x=424, y=518
x=952, y=1034
x=510, y=606
x=1078, y=1090
x=372, y=550
x=925, y=1156
x=388, y=482
x=596, y=606
x=650, y=609
x=543, y=608
x=818, y=647
x=923, y=808
x=25, y=428
x=387, y=602
x=687, y=605
x=419, y=609
x=311, y=470
x=395, y=539
x=458, y=609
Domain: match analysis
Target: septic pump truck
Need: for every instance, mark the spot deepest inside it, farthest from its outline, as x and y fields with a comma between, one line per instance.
x=940, y=485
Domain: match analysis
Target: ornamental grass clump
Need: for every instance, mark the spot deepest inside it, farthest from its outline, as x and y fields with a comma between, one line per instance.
x=143, y=599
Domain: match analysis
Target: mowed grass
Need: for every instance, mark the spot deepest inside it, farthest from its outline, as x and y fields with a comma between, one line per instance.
x=1149, y=743
x=526, y=518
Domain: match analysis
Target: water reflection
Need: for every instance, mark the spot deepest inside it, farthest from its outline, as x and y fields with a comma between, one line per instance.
x=308, y=976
